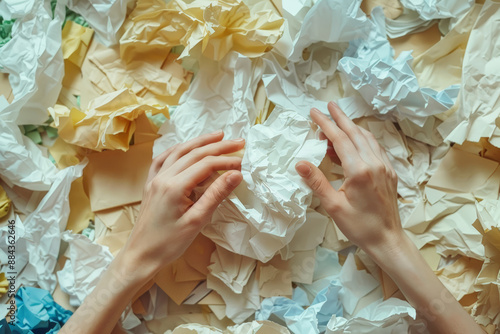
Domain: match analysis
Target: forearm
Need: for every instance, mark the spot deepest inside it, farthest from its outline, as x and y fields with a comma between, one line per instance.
x=405, y=265
x=102, y=309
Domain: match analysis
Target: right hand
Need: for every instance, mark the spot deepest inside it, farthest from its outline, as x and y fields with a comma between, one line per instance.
x=365, y=207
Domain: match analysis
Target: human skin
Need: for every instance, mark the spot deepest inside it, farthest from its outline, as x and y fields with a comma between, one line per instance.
x=365, y=209
x=167, y=223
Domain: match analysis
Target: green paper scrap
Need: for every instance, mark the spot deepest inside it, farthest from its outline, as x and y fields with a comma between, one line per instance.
x=5, y=31
x=51, y=132
x=70, y=15
x=35, y=137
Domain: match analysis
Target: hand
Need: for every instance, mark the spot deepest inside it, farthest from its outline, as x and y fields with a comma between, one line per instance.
x=365, y=207
x=169, y=220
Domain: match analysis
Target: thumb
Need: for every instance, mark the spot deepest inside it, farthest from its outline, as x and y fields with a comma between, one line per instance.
x=319, y=184
x=205, y=206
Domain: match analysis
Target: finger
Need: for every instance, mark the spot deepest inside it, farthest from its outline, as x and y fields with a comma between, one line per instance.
x=343, y=146
x=158, y=162
x=353, y=132
x=183, y=149
x=200, y=171
x=317, y=181
x=201, y=212
x=199, y=153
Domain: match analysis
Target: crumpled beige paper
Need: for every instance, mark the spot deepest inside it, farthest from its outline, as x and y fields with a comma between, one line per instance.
x=109, y=122
x=209, y=27
x=486, y=310
x=163, y=83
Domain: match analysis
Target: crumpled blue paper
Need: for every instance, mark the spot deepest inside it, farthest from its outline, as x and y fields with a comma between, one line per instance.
x=389, y=84
x=313, y=319
x=37, y=312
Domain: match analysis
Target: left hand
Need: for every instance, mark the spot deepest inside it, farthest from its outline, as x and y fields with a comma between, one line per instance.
x=169, y=220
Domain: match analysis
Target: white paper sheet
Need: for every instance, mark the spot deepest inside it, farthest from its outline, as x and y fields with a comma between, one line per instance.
x=36, y=39
x=479, y=106
x=390, y=316
x=44, y=227
x=85, y=265
x=104, y=16
x=438, y=9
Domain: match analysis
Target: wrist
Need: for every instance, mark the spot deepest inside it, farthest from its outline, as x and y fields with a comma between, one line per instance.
x=136, y=266
x=393, y=251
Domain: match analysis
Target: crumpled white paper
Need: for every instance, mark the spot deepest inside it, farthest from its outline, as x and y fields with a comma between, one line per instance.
x=254, y=327
x=228, y=104
x=104, y=16
x=44, y=227
x=479, y=108
x=438, y=9
x=21, y=161
x=390, y=316
x=85, y=265
x=263, y=213
x=36, y=39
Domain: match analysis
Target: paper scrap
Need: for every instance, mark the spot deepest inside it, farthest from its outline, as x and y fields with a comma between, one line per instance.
x=211, y=28
x=109, y=122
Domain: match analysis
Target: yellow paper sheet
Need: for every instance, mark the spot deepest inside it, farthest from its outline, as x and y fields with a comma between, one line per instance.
x=75, y=42
x=212, y=28
x=109, y=123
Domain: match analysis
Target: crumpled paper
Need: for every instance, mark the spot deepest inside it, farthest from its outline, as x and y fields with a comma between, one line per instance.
x=37, y=312
x=109, y=122
x=75, y=43
x=104, y=16
x=5, y=31
x=478, y=110
x=438, y=9
x=391, y=85
x=85, y=265
x=211, y=28
x=43, y=231
x=5, y=203
x=263, y=213
x=36, y=38
x=390, y=316
x=227, y=105
x=254, y=327
x=313, y=319
x=163, y=83
x=486, y=310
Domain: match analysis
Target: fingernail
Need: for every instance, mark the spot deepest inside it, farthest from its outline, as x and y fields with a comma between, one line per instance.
x=303, y=169
x=314, y=110
x=333, y=104
x=218, y=132
x=233, y=179
x=238, y=140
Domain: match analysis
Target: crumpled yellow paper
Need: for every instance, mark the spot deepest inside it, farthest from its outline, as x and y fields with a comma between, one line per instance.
x=75, y=42
x=210, y=27
x=4, y=203
x=109, y=122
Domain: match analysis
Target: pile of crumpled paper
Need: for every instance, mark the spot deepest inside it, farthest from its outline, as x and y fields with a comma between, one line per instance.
x=91, y=91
